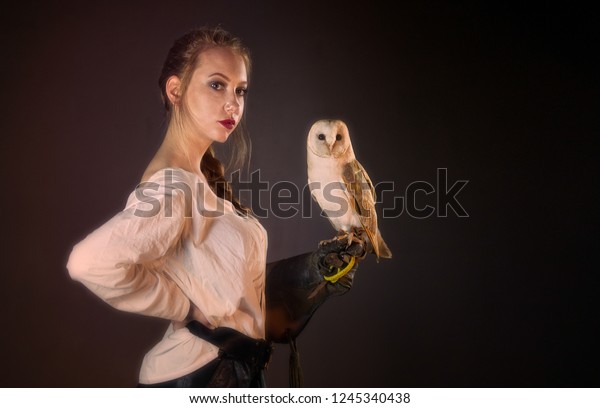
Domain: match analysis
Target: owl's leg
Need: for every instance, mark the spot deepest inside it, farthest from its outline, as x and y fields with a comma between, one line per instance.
x=340, y=236
x=348, y=236
x=357, y=235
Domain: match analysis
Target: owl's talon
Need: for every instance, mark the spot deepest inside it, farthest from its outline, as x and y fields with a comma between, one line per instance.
x=327, y=241
x=352, y=243
x=357, y=236
x=350, y=237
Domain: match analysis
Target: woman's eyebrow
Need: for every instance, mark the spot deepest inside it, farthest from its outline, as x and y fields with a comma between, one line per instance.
x=225, y=77
x=221, y=75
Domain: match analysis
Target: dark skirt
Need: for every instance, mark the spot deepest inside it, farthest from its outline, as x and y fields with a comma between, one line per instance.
x=219, y=373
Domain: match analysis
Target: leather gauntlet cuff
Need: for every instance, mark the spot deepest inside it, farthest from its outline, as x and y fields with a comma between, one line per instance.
x=297, y=286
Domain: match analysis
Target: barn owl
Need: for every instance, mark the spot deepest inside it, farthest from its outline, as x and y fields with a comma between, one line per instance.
x=341, y=186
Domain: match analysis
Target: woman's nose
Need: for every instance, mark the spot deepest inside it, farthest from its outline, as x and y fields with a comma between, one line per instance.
x=231, y=106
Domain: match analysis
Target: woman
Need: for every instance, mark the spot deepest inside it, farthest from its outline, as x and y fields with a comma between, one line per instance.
x=185, y=249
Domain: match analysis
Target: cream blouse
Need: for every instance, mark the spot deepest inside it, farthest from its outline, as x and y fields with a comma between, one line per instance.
x=177, y=242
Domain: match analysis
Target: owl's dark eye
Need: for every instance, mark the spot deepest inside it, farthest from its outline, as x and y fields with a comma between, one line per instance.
x=338, y=137
x=321, y=136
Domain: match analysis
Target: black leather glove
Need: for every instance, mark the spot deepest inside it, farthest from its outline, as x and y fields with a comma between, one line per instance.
x=297, y=286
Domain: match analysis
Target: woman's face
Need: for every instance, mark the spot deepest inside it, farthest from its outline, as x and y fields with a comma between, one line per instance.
x=216, y=92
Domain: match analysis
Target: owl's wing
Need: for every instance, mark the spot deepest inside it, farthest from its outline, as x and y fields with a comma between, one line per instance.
x=362, y=198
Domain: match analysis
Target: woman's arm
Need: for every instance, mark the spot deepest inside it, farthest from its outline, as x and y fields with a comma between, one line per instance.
x=120, y=260
x=297, y=286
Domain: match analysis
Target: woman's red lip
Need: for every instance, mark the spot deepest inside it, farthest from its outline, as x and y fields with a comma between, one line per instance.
x=228, y=123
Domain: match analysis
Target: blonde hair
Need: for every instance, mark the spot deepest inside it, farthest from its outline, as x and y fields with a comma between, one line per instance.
x=181, y=62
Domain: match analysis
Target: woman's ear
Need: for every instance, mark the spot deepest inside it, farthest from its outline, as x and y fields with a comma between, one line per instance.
x=173, y=88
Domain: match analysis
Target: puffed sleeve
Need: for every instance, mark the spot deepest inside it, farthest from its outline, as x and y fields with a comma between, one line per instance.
x=121, y=260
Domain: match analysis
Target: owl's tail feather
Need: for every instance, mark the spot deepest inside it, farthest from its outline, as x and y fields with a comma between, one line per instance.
x=381, y=249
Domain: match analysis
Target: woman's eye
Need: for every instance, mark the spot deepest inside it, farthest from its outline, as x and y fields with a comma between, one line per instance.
x=321, y=136
x=241, y=91
x=216, y=85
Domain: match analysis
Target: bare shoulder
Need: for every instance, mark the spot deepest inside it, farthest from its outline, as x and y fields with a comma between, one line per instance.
x=153, y=167
x=148, y=173
x=168, y=174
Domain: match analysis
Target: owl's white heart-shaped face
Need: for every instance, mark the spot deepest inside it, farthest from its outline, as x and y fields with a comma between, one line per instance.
x=329, y=138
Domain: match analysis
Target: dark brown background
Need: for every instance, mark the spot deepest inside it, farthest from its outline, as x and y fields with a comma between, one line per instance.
x=499, y=95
